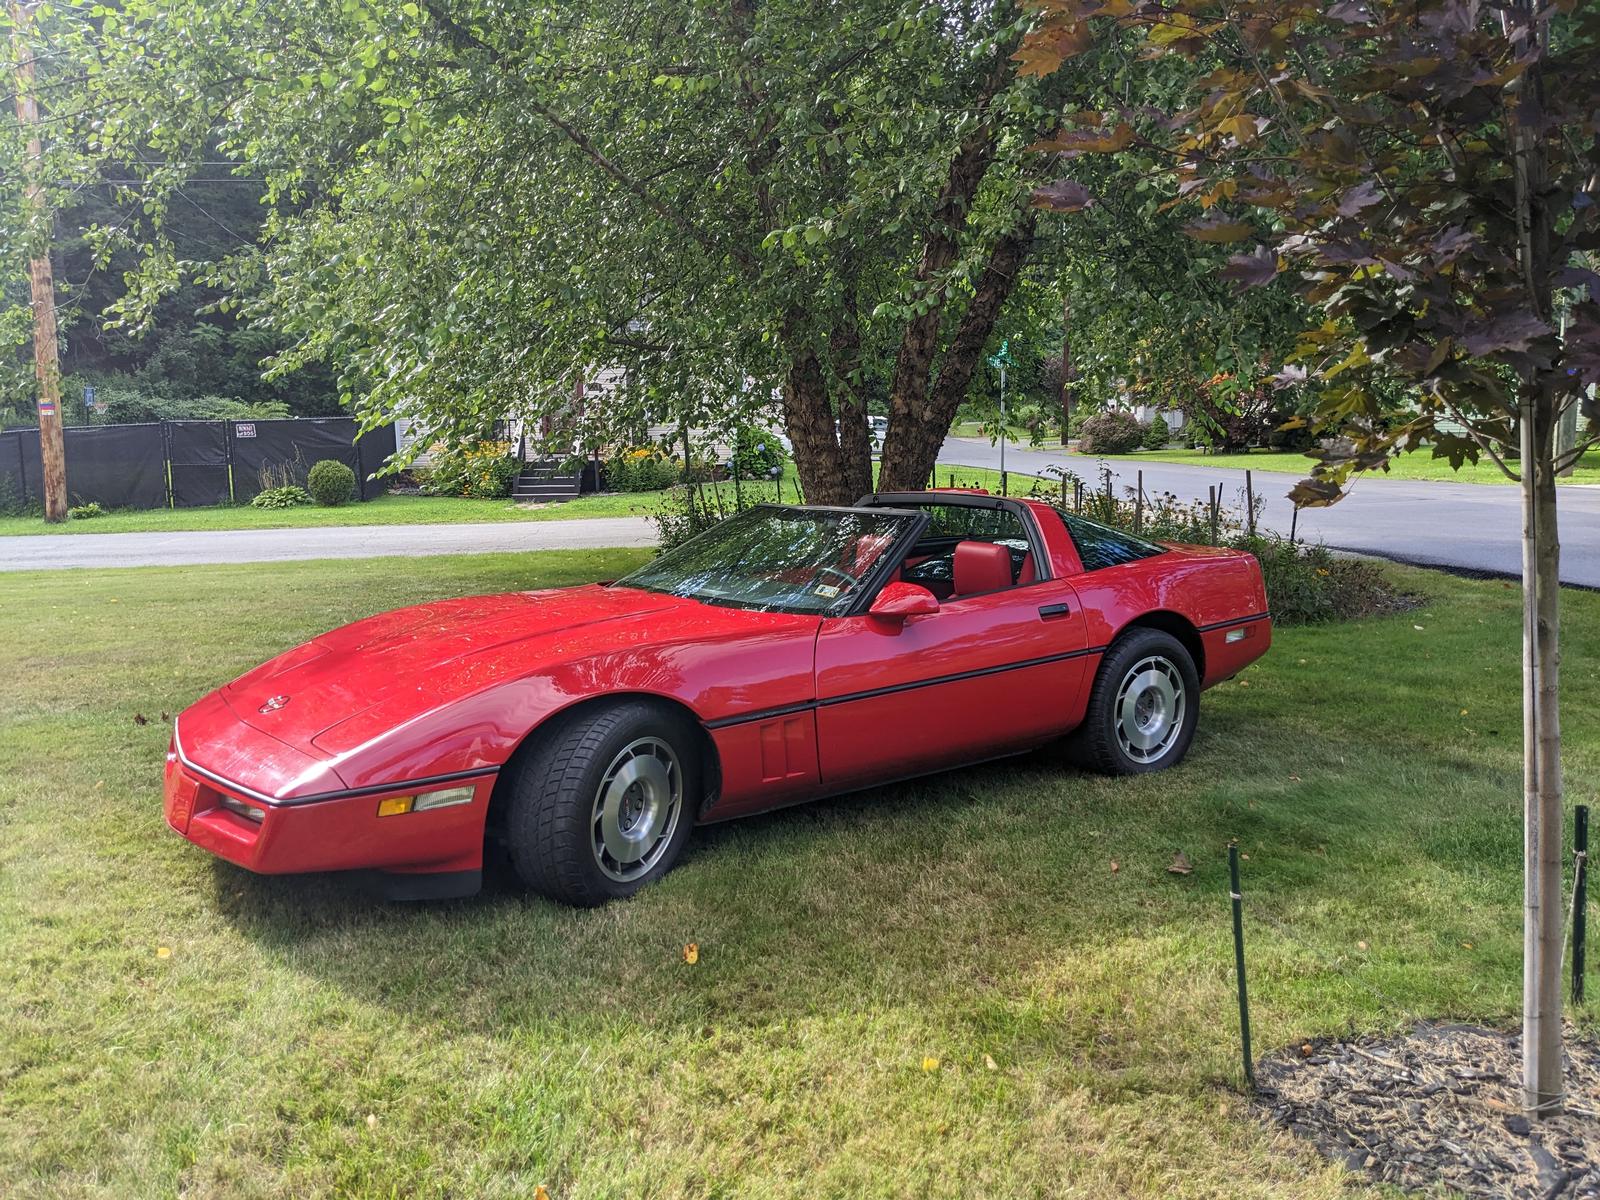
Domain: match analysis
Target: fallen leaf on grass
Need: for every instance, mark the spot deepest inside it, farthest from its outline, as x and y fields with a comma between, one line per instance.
x=1180, y=864
x=930, y=1063
x=691, y=953
x=989, y=1062
x=140, y=719
x=539, y=1193
x=1417, y=627
x=1115, y=866
x=372, y=1120
x=163, y=951
x=1361, y=945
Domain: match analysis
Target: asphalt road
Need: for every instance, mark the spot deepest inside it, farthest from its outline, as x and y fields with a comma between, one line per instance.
x=176, y=549
x=1470, y=526
x=1462, y=525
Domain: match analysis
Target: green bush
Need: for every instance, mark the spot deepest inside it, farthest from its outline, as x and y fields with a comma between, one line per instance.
x=331, y=483
x=1158, y=434
x=1111, y=433
x=287, y=496
x=1305, y=583
x=640, y=470
x=481, y=469
x=1080, y=414
x=757, y=453
x=85, y=512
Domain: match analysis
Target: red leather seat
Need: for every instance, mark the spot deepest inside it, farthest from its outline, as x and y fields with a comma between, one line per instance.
x=1028, y=572
x=980, y=567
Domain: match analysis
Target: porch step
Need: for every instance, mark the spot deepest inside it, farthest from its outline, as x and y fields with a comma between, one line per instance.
x=543, y=483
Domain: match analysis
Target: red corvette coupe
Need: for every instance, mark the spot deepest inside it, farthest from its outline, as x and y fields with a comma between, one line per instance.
x=785, y=654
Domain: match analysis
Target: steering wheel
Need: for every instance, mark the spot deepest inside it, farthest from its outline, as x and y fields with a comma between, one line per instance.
x=850, y=580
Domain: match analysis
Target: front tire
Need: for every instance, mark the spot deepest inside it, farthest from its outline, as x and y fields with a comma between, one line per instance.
x=604, y=803
x=1143, y=708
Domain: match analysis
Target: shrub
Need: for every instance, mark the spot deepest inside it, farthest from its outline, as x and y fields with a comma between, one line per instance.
x=642, y=469
x=1158, y=434
x=1034, y=419
x=757, y=453
x=287, y=496
x=482, y=470
x=85, y=512
x=1111, y=433
x=1305, y=583
x=331, y=483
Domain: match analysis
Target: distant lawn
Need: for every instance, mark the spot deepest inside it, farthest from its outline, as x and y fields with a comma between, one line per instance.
x=982, y=984
x=975, y=429
x=1416, y=465
x=437, y=510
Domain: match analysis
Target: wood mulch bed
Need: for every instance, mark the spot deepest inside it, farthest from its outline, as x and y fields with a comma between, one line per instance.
x=1440, y=1105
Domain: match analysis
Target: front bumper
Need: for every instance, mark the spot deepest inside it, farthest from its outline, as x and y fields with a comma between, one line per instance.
x=331, y=833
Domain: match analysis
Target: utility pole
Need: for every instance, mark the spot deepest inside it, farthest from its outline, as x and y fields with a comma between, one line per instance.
x=1066, y=367
x=46, y=363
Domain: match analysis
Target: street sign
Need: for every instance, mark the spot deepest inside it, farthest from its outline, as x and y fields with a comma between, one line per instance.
x=244, y=429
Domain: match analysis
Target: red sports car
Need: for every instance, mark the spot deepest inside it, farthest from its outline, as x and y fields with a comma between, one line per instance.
x=787, y=653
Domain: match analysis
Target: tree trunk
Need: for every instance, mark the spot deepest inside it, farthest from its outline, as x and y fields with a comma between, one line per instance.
x=855, y=443
x=917, y=433
x=809, y=419
x=1543, y=817
x=1542, y=939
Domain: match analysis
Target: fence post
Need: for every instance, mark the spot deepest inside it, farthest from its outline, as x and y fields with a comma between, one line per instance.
x=1294, y=520
x=1211, y=494
x=1138, y=507
x=1250, y=502
x=1580, y=900
x=1238, y=962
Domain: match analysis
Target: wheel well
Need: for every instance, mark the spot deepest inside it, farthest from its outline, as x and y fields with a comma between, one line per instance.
x=709, y=759
x=1179, y=627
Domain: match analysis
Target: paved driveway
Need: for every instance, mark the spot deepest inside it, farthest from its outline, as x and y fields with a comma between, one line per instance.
x=1469, y=525
x=43, y=551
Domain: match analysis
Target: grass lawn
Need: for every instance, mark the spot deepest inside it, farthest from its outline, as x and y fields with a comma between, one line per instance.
x=975, y=429
x=428, y=510
x=1416, y=465
x=982, y=984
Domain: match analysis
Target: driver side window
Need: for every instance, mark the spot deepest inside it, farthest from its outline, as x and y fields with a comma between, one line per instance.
x=968, y=550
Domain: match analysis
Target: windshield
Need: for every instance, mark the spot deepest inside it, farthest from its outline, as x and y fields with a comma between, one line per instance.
x=774, y=559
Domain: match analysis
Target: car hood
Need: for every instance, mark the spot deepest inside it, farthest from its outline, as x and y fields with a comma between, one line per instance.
x=435, y=651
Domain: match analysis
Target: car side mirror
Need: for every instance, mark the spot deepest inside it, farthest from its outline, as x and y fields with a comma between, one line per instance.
x=897, y=601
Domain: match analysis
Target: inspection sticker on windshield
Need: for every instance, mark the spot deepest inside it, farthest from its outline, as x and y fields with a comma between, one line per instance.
x=827, y=590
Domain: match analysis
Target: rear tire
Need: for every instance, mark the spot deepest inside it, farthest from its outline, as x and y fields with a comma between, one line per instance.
x=1143, y=707
x=604, y=802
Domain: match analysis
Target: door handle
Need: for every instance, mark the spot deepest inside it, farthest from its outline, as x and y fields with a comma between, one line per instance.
x=1054, y=610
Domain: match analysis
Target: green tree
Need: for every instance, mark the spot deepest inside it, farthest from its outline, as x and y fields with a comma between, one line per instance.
x=471, y=206
x=1425, y=176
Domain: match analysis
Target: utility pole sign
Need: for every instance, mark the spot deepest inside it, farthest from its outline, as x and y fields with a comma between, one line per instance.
x=46, y=363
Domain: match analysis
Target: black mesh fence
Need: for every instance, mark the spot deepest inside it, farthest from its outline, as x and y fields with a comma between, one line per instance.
x=188, y=463
x=197, y=452
x=269, y=454
x=373, y=448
